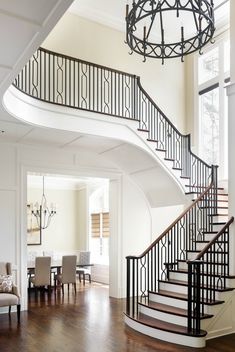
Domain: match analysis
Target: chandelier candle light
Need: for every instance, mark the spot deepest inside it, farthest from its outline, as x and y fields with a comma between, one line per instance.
x=42, y=212
x=165, y=29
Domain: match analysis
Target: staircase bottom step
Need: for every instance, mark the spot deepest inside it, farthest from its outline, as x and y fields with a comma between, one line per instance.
x=165, y=331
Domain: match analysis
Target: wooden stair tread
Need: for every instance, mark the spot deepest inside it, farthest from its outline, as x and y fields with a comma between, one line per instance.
x=182, y=297
x=219, y=223
x=204, y=187
x=218, y=215
x=169, y=159
x=152, y=140
x=209, y=232
x=171, y=309
x=208, y=252
x=165, y=326
x=160, y=150
x=177, y=168
x=142, y=129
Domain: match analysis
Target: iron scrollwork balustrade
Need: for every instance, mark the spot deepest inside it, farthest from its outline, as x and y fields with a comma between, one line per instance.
x=79, y=84
x=167, y=250
x=207, y=274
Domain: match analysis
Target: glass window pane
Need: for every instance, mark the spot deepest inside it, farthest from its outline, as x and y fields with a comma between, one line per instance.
x=209, y=122
x=208, y=65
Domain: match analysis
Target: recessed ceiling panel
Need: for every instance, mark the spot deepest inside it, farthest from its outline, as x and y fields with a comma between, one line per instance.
x=94, y=144
x=50, y=137
x=130, y=158
x=12, y=132
x=35, y=10
x=20, y=34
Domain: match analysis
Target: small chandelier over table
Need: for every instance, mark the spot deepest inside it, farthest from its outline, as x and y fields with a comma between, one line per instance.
x=165, y=29
x=41, y=211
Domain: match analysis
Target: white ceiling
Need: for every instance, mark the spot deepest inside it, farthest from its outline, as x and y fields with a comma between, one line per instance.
x=63, y=182
x=112, y=12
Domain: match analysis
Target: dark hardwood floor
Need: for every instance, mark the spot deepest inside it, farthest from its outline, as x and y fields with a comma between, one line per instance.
x=87, y=322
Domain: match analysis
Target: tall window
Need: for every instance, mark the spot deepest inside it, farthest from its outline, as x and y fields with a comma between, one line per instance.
x=99, y=225
x=100, y=232
x=213, y=74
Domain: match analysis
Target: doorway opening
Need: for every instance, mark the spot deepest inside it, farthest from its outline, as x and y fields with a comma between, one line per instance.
x=76, y=202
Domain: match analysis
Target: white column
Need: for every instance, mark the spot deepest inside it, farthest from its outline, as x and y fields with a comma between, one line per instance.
x=231, y=135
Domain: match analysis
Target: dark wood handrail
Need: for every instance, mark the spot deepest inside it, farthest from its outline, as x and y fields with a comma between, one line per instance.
x=173, y=224
x=215, y=238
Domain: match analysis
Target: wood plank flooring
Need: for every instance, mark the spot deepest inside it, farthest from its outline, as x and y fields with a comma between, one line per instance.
x=87, y=322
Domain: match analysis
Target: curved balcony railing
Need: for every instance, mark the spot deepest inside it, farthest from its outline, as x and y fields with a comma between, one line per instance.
x=67, y=81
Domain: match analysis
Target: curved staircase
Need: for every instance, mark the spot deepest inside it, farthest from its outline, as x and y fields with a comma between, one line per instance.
x=179, y=288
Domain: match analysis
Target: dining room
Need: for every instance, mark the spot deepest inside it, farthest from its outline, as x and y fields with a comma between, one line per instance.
x=68, y=217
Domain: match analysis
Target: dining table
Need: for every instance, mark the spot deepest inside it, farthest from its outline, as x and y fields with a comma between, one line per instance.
x=55, y=264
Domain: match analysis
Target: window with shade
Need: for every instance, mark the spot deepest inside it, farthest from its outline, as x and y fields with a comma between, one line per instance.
x=100, y=225
x=213, y=74
x=100, y=236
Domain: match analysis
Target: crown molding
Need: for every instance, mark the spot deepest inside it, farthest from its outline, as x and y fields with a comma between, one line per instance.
x=100, y=17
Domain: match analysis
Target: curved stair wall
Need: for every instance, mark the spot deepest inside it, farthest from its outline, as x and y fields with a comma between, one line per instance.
x=184, y=274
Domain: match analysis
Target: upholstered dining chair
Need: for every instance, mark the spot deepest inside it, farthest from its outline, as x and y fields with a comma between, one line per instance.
x=52, y=255
x=68, y=275
x=9, y=295
x=31, y=258
x=82, y=272
x=42, y=275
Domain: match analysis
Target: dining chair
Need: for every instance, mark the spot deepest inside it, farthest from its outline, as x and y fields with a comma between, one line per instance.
x=42, y=275
x=31, y=258
x=68, y=275
x=82, y=272
x=52, y=255
x=9, y=295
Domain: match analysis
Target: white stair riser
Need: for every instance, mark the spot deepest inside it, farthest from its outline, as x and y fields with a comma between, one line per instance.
x=173, y=288
x=222, y=197
x=169, y=301
x=219, y=258
x=174, y=302
x=210, y=236
x=222, y=210
x=164, y=316
x=184, y=277
x=192, y=255
x=218, y=218
x=201, y=246
x=184, y=289
x=184, y=265
x=197, y=342
x=218, y=227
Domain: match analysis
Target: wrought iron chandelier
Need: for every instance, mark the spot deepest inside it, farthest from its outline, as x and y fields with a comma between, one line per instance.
x=41, y=211
x=165, y=29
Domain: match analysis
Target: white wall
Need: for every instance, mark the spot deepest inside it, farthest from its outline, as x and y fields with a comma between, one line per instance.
x=130, y=230
x=163, y=217
x=82, y=219
x=90, y=41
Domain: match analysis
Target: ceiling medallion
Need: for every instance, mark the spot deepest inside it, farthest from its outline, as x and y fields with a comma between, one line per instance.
x=168, y=29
